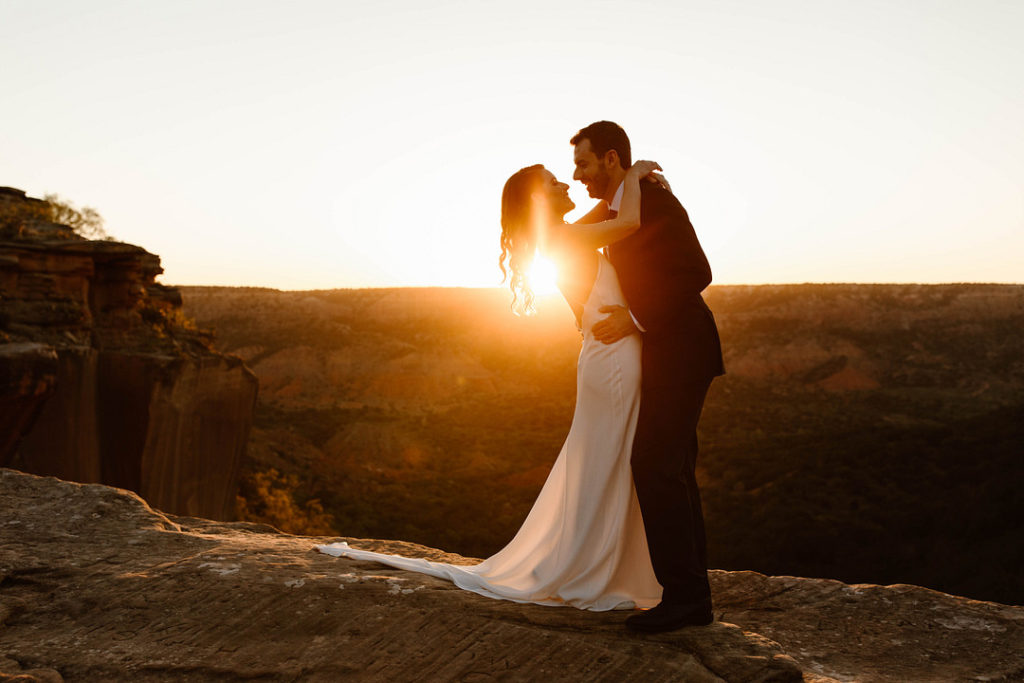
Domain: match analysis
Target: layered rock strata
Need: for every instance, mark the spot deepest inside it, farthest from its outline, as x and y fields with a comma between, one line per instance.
x=96, y=585
x=103, y=380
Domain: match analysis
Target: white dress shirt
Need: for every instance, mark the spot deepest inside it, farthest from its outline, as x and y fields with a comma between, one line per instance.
x=616, y=201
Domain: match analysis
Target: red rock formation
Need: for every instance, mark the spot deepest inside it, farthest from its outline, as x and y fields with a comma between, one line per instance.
x=28, y=374
x=103, y=380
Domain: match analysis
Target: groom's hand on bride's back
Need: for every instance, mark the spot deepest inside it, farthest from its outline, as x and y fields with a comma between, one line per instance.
x=618, y=325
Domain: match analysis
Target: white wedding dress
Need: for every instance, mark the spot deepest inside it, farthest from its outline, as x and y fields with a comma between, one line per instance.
x=583, y=543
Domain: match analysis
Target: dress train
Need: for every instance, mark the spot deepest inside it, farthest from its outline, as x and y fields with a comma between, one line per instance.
x=583, y=542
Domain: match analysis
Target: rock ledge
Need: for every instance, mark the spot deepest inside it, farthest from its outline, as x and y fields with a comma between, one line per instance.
x=96, y=585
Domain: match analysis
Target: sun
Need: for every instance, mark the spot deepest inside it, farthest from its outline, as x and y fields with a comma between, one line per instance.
x=543, y=276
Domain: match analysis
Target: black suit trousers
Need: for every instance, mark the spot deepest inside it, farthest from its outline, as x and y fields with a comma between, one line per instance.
x=664, y=463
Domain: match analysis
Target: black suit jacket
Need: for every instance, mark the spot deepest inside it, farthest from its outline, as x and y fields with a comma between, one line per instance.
x=663, y=270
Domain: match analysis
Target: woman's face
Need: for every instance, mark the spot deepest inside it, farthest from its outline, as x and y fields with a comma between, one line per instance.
x=555, y=194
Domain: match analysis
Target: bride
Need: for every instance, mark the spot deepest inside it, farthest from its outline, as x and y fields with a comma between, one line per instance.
x=583, y=542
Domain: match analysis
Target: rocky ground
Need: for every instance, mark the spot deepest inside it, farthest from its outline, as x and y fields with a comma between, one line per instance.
x=96, y=585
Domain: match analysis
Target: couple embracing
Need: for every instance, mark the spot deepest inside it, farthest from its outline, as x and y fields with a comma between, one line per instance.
x=618, y=523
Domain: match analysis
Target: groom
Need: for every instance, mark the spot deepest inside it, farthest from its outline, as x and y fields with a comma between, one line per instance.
x=662, y=270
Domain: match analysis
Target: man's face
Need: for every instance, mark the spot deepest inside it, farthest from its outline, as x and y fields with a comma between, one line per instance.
x=590, y=170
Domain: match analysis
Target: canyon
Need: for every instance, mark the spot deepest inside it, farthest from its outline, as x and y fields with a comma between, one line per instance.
x=867, y=433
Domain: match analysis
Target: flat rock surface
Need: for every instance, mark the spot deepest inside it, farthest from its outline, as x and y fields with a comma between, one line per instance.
x=96, y=585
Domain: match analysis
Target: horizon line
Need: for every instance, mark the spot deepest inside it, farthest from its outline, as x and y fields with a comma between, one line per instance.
x=714, y=285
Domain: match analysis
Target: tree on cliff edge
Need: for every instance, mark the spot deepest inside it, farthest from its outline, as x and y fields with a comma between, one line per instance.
x=86, y=221
x=18, y=212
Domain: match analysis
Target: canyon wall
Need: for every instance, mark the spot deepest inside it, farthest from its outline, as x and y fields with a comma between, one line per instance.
x=103, y=380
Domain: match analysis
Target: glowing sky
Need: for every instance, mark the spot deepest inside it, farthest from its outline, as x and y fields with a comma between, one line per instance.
x=342, y=144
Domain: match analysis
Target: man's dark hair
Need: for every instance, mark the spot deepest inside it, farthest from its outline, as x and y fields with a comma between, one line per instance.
x=604, y=136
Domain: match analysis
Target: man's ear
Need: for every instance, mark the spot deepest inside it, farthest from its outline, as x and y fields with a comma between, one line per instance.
x=611, y=158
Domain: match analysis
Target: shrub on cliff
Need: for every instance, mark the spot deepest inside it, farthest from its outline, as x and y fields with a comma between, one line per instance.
x=269, y=497
x=21, y=212
x=86, y=221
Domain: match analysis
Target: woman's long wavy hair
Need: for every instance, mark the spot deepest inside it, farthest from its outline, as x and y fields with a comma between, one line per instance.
x=519, y=236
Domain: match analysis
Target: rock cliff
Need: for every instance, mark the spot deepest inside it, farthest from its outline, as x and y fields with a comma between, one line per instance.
x=101, y=377
x=97, y=585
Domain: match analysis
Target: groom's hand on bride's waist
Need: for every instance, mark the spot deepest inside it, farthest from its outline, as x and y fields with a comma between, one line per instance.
x=618, y=325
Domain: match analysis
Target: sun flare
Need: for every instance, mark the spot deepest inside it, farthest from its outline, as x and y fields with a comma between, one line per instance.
x=543, y=276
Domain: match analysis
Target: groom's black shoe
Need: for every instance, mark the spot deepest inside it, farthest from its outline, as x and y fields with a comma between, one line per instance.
x=667, y=617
